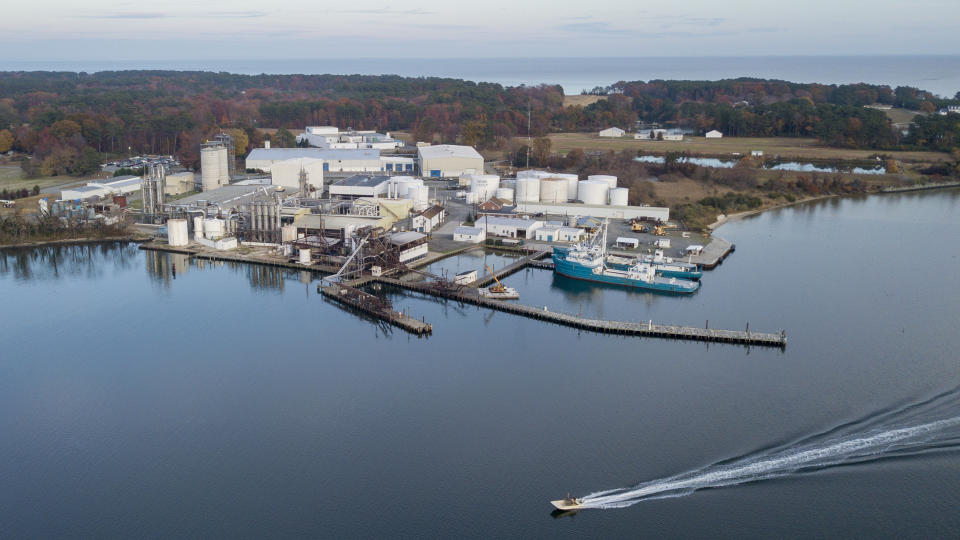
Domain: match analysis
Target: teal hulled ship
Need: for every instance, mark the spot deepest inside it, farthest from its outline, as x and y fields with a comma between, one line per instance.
x=663, y=266
x=587, y=261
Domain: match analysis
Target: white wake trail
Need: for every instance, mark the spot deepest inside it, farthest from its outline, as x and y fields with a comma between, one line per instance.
x=874, y=445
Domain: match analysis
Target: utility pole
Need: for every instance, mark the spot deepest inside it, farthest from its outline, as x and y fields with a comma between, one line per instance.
x=528, y=130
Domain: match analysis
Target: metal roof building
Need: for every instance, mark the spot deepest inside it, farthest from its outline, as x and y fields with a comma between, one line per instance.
x=449, y=160
x=360, y=185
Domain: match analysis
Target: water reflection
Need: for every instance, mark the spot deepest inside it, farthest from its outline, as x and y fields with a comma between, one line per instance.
x=56, y=262
x=164, y=268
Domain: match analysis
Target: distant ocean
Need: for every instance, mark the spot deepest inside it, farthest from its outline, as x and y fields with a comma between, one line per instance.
x=938, y=74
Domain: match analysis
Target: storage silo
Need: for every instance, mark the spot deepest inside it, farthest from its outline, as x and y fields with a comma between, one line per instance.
x=592, y=192
x=528, y=190
x=505, y=194
x=198, y=227
x=177, y=234
x=553, y=190
x=209, y=168
x=619, y=196
x=224, y=165
x=420, y=196
x=572, y=181
x=610, y=180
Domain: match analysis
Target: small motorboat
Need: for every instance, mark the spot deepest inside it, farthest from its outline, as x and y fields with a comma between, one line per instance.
x=570, y=503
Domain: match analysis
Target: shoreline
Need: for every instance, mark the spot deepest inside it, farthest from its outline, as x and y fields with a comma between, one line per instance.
x=71, y=241
x=723, y=219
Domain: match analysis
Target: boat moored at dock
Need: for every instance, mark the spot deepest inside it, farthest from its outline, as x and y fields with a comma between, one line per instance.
x=587, y=261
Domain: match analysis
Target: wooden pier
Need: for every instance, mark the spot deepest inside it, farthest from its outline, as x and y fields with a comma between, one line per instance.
x=643, y=329
x=375, y=307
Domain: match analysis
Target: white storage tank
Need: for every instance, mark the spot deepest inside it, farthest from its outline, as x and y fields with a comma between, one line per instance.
x=528, y=190
x=177, y=234
x=553, y=190
x=400, y=186
x=471, y=198
x=420, y=196
x=222, y=153
x=198, y=227
x=484, y=185
x=305, y=256
x=505, y=194
x=209, y=168
x=214, y=228
x=572, y=181
x=592, y=192
x=610, y=180
x=619, y=196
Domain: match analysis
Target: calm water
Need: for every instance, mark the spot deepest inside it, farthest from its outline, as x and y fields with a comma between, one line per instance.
x=234, y=401
x=938, y=74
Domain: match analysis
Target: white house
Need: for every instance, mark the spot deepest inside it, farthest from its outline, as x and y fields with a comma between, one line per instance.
x=612, y=132
x=714, y=134
x=429, y=219
x=556, y=233
x=469, y=234
x=509, y=227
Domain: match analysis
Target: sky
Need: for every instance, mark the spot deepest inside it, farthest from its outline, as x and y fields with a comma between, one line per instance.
x=58, y=30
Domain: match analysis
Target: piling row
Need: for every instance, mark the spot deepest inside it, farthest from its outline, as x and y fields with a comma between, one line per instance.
x=340, y=294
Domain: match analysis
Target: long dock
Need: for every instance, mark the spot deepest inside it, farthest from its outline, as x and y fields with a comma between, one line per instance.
x=643, y=329
x=373, y=306
x=229, y=257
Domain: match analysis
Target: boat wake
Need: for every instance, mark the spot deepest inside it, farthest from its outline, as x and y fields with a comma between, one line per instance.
x=913, y=429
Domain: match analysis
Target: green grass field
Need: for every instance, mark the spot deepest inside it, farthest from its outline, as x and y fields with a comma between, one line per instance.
x=12, y=177
x=785, y=147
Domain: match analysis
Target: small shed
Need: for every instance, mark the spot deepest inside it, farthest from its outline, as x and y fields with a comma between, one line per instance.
x=627, y=242
x=694, y=250
x=714, y=134
x=474, y=235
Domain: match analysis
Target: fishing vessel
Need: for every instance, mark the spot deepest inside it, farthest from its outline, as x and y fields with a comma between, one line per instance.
x=570, y=503
x=587, y=261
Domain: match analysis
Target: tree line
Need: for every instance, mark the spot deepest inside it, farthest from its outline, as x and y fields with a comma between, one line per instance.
x=69, y=121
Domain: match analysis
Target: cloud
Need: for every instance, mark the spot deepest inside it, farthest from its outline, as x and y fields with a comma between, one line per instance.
x=593, y=28
x=128, y=15
x=237, y=14
x=382, y=11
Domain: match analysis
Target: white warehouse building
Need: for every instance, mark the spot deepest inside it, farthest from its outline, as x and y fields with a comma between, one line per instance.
x=509, y=227
x=612, y=132
x=333, y=160
x=449, y=161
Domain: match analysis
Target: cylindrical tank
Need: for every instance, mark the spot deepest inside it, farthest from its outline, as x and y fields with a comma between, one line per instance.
x=420, y=196
x=572, y=181
x=484, y=185
x=224, y=165
x=553, y=190
x=305, y=256
x=214, y=228
x=505, y=194
x=177, y=234
x=619, y=196
x=592, y=192
x=471, y=197
x=610, y=180
x=209, y=168
x=401, y=186
x=528, y=190
x=198, y=227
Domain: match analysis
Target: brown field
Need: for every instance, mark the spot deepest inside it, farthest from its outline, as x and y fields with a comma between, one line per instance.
x=785, y=147
x=581, y=100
